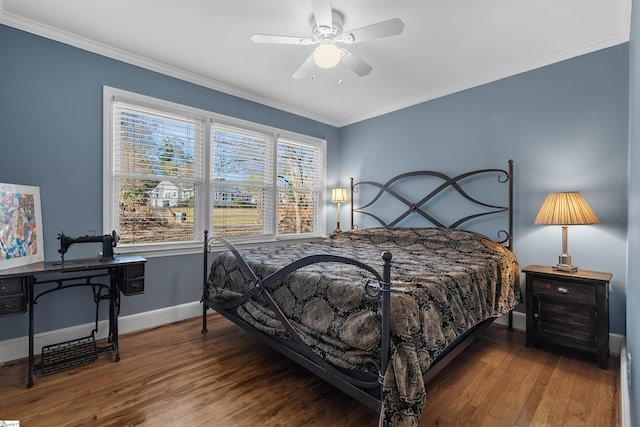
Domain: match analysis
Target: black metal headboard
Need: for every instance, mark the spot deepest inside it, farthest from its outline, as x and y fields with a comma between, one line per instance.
x=416, y=206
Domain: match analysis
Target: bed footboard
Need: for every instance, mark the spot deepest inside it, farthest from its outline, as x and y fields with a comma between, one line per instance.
x=262, y=286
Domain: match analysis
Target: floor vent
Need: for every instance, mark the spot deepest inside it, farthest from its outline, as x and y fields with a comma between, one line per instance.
x=68, y=354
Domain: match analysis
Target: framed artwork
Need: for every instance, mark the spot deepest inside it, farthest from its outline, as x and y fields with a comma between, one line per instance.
x=21, y=238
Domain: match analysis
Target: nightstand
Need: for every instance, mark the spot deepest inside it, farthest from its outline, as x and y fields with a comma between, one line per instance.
x=569, y=309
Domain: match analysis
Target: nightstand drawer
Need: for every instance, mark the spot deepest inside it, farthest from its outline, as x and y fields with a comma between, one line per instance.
x=566, y=323
x=13, y=305
x=11, y=286
x=564, y=290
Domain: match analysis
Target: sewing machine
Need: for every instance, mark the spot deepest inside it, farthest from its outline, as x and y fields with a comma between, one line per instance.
x=109, y=241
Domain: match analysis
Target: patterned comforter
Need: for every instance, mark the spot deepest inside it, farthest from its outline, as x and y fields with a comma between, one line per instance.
x=444, y=282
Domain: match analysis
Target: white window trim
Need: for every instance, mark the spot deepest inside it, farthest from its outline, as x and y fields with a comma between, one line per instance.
x=208, y=117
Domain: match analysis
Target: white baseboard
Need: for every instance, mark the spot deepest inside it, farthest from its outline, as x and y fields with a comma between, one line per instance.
x=625, y=402
x=520, y=324
x=18, y=348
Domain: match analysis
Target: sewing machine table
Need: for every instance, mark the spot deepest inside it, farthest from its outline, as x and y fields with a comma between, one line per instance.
x=125, y=274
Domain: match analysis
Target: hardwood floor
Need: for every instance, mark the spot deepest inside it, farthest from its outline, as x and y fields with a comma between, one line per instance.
x=175, y=376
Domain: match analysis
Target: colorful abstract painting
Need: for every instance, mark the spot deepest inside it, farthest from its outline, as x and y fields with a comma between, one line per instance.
x=20, y=225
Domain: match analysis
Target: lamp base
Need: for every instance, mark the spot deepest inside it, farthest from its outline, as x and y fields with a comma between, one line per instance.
x=564, y=262
x=566, y=267
x=337, y=230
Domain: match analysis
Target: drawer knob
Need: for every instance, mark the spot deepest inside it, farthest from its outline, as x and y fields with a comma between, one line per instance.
x=10, y=306
x=563, y=290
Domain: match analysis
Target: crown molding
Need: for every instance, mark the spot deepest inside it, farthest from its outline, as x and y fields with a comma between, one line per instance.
x=621, y=35
x=604, y=42
x=79, y=42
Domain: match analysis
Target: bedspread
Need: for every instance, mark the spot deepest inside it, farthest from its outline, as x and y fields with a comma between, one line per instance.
x=444, y=282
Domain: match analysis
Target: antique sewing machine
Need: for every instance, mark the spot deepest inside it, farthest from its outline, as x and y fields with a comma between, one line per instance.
x=109, y=241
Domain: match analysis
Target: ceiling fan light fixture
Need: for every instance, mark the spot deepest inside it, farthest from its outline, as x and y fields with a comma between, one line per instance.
x=327, y=55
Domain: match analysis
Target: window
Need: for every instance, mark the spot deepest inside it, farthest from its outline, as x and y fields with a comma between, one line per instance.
x=300, y=183
x=242, y=170
x=172, y=171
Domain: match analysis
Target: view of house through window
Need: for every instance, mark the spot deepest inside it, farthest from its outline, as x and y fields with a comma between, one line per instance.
x=173, y=172
x=156, y=171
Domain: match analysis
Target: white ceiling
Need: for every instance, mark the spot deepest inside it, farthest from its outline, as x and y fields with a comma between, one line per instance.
x=446, y=46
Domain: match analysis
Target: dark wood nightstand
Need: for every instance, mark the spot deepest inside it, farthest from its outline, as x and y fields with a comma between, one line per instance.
x=569, y=309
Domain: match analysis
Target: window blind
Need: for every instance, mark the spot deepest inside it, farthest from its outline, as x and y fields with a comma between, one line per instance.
x=300, y=181
x=157, y=174
x=242, y=171
x=171, y=171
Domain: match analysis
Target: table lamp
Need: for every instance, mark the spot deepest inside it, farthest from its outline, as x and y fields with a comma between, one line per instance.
x=339, y=195
x=565, y=209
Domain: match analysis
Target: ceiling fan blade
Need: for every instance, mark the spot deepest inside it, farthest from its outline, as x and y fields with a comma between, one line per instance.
x=360, y=67
x=322, y=13
x=304, y=69
x=268, y=38
x=392, y=27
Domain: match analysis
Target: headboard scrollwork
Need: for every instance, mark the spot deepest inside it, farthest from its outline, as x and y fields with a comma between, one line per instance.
x=417, y=205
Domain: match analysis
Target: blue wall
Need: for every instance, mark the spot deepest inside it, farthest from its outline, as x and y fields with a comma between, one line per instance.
x=633, y=279
x=565, y=126
x=51, y=137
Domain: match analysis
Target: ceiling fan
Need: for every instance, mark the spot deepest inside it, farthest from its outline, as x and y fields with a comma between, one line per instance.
x=327, y=33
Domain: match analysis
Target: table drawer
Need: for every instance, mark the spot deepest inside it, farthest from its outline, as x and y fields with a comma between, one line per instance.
x=564, y=291
x=13, y=305
x=132, y=271
x=11, y=286
x=132, y=286
x=132, y=279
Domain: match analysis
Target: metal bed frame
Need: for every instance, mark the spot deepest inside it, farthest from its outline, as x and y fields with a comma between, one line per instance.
x=505, y=176
x=366, y=388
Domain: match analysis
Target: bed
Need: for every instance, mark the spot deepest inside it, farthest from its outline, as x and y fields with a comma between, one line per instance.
x=377, y=311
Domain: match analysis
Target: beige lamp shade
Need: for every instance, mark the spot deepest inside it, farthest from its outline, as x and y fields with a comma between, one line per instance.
x=566, y=209
x=339, y=195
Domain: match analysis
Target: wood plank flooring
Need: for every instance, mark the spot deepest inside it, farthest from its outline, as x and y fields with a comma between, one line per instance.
x=175, y=376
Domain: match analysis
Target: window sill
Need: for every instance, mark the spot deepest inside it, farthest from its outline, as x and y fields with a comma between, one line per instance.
x=157, y=251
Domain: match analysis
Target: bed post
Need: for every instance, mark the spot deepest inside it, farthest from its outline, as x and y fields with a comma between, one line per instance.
x=351, y=198
x=385, y=288
x=204, y=281
x=511, y=205
x=510, y=316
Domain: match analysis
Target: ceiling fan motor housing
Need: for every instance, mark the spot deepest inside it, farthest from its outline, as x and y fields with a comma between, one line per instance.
x=324, y=32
